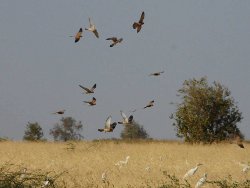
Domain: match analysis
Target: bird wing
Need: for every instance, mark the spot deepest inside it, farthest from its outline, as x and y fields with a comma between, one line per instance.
x=114, y=39
x=130, y=119
x=93, y=87
x=108, y=123
x=96, y=33
x=123, y=115
x=94, y=99
x=90, y=23
x=86, y=89
x=142, y=17
x=138, y=29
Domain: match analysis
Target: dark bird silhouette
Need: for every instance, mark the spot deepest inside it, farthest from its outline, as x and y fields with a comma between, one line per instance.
x=60, y=112
x=138, y=25
x=156, y=73
x=87, y=90
x=115, y=41
x=78, y=35
x=150, y=104
x=92, y=28
x=92, y=102
x=108, y=127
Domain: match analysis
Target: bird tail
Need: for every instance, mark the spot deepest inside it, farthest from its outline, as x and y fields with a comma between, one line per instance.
x=100, y=130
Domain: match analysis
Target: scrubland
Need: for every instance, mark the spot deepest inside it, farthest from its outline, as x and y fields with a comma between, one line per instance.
x=81, y=164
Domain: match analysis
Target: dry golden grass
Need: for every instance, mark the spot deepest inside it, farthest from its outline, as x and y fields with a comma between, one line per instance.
x=86, y=162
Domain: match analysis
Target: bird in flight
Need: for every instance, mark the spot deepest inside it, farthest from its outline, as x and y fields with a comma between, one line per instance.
x=108, y=127
x=60, y=112
x=87, y=90
x=78, y=35
x=92, y=102
x=156, y=73
x=125, y=120
x=150, y=104
x=115, y=41
x=138, y=25
x=92, y=28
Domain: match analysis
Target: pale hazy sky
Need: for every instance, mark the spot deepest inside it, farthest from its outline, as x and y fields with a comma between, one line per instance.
x=41, y=66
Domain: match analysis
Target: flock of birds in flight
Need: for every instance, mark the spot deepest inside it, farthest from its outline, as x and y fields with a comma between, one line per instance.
x=109, y=125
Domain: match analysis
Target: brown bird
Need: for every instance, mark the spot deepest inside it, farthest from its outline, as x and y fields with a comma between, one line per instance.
x=150, y=104
x=92, y=28
x=114, y=41
x=156, y=73
x=59, y=112
x=92, y=102
x=87, y=90
x=78, y=35
x=109, y=127
x=138, y=25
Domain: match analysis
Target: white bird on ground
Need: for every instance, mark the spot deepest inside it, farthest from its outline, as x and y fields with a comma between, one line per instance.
x=201, y=181
x=192, y=171
x=46, y=182
x=23, y=175
x=246, y=167
x=104, y=176
x=122, y=163
x=125, y=120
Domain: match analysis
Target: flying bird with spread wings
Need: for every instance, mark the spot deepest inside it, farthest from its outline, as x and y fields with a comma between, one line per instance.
x=156, y=73
x=115, y=41
x=150, y=104
x=88, y=90
x=108, y=127
x=92, y=29
x=60, y=112
x=125, y=120
x=78, y=35
x=138, y=25
x=92, y=102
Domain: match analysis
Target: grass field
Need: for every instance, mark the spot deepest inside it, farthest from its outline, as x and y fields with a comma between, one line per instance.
x=84, y=162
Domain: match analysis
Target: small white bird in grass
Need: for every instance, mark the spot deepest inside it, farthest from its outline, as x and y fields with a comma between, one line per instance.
x=23, y=175
x=246, y=167
x=201, y=181
x=104, y=176
x=122, y=163
x=192, y=171
x=46, y=182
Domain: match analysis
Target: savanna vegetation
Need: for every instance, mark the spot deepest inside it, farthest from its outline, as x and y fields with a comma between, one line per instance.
x=155, y=164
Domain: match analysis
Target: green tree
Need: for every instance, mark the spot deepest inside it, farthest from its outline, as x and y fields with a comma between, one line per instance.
x=134, y=131
x=207, y=113
x=33, y=132
x=67, y=129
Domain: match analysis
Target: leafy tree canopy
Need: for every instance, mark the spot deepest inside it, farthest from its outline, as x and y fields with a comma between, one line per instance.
x=207, y=113
x=134, y=131
x=33, y=132
x=67, y=129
